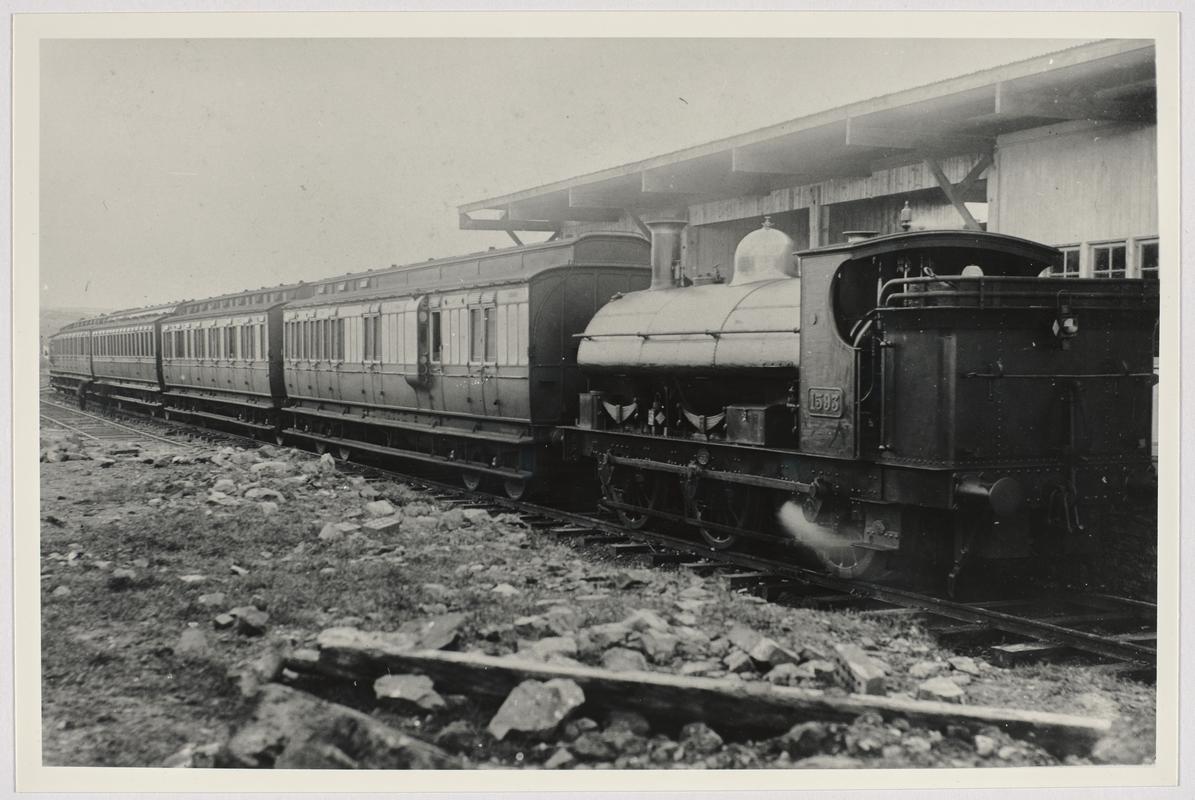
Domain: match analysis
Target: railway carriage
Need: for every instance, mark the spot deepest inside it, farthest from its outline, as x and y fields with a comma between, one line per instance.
x=126, y=366
x=468, y=362
x=222, y=358
x=70, y=356
x=914, y=393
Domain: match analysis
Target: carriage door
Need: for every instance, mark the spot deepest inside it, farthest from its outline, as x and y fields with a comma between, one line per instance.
x=416, y=355
x=483, y=355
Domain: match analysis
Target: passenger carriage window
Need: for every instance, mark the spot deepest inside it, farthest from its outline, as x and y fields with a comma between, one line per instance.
x=491, y=334
x=476, y=335
x=338, y=329
x=434, y=337
x=372, y=350
x=230, y=343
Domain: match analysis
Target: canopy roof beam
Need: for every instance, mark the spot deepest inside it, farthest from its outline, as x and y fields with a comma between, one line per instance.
x=1061, y=106
x=467, y=223
x=861, y=134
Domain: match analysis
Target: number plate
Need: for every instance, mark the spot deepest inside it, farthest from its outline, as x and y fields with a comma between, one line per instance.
x=825, y=402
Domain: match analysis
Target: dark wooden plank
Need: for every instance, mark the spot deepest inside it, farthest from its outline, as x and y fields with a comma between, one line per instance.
x=748, y=708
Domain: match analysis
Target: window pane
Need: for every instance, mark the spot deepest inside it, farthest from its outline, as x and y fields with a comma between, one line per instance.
x=436, y=341
x=1101, y=262
x=476, y=334
x=491, y=334
x=1149, y=260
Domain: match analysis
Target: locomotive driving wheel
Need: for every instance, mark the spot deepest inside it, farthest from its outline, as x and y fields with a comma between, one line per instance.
x=850, y=562
x=722, y=504
x=635, y=487
x=515, y=488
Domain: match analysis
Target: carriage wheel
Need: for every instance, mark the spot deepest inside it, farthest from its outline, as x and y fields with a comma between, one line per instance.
x=343, y=453
x=471, y=480
x=321, y=447
x=636, y=487
x=723, y=504
x=515, y=488
x=279, y=438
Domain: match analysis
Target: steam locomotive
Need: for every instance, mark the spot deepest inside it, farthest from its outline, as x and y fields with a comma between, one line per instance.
x=934, y=395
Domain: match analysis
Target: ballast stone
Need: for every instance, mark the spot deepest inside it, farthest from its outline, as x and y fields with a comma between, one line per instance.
x=384, y=524
x=621, y=659
x=536, y=708
x=379, y=508
x=271, y=468
x=408, y=692
x=859, y=672
x=942, y=690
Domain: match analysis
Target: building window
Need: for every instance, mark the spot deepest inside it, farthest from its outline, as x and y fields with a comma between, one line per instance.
x=1108, y=260
x=437, y=343
x=1147, y=259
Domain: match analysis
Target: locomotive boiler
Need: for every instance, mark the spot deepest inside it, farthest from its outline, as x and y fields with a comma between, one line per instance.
x=935, y=394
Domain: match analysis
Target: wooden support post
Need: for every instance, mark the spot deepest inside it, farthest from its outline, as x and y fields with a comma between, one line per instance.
x=964, y=186
x=954, y=198
x=734, y=707
x=815, y=225
x=638, y=222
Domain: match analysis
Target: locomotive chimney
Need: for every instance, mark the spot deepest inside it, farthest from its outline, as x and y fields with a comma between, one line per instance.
x=665, y=250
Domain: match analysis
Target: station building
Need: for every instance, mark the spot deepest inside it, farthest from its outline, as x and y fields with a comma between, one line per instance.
x=1061, y=149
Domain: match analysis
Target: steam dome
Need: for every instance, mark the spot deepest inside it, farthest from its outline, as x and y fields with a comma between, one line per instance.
x=763, y=255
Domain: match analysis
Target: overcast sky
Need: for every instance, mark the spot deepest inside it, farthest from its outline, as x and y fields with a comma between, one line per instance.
x=175, y=169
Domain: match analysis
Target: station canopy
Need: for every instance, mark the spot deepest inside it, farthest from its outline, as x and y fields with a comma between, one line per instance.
x=1106, y=81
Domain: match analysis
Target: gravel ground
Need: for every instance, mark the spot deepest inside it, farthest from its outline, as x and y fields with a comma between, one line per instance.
x=167, y=577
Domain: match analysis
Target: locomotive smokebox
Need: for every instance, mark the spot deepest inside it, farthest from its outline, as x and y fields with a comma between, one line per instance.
x=665, y=250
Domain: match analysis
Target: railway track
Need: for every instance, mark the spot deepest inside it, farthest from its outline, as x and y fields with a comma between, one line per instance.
x=105, y=428
x=1120, y=632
